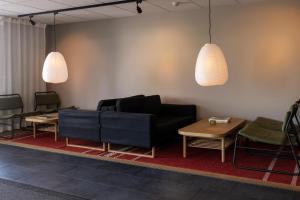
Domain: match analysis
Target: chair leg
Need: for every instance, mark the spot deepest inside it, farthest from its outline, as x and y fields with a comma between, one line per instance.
x=294, y=153
x=12, y=128
x=296, y=131
x=20, y=123
x=297, y=121
x=267, y=170
x=235, y=149
x=12, y=132
x=297, y=140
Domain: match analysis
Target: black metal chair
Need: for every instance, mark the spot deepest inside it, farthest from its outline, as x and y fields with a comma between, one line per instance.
x=11, y=107
x=296, y=116
x=46, y=102
x=268, y=131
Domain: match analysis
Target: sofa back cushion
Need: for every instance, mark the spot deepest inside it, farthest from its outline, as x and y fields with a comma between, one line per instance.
x=107, y=105
x=134, y=104
x=152, y=104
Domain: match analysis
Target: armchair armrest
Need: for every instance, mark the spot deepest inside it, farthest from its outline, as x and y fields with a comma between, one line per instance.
x=68, y=108
x=81, y=124
x=182, y=110
x=134, y=129
x=27, y=114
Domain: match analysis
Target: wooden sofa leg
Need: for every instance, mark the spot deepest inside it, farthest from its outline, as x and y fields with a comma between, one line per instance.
x=86, y=147
x=153, y=152
x=152, y=155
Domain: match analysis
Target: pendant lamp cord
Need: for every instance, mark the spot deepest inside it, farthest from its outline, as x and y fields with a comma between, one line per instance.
x=54, y=29
x=209, y=13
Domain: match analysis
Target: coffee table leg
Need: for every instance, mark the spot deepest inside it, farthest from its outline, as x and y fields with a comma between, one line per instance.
x=184, y=146
x=55, y=131
x=223, y=149
x=34, y=130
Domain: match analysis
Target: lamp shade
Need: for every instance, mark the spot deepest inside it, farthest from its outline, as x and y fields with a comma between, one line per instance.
x=55, y=68
x=211, y=66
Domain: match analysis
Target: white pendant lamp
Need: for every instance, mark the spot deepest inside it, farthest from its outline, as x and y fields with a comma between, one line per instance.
x=55, y=68
x=211, y=66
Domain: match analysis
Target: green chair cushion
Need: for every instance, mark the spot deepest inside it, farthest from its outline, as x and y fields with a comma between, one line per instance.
x=269, y=123
x=19, y=115
x=28, y=114
x=47, y=111
x=257, y=133
x=7, y=116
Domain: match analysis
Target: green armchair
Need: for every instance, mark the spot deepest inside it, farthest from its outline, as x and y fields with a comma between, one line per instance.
x=11, y=112
x=48, y=102
x=272, y=132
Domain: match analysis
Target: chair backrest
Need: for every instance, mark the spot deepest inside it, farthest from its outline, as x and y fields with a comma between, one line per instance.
x=296, y=115
x=47, y=99
x=294, y=110
x=289, y=117
x=11, y=102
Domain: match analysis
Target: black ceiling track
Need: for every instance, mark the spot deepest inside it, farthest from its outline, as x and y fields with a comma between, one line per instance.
x=81, y=7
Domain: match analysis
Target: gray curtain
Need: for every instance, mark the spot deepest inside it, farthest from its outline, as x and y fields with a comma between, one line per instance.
x=22, y=53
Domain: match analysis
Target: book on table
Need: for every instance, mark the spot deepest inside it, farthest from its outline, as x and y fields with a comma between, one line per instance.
x=48, y=116
x=219, y=120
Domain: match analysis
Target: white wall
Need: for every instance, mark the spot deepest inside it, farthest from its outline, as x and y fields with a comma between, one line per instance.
x=156, y=54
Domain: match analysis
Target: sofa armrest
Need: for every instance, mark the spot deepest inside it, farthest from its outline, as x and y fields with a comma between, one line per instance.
x=81, y=124
x=134, y=129
x=74, y=113
x=181, y=110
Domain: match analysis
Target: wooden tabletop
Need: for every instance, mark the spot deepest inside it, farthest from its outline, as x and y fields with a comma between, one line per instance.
x=47, y=118
x=203, y=129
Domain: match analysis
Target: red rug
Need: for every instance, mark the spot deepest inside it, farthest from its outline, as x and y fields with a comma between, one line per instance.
x=199, y=161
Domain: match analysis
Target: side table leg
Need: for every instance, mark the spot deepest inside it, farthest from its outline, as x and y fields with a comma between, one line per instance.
x=34, y=130
x=184, y=146
x=223, y=149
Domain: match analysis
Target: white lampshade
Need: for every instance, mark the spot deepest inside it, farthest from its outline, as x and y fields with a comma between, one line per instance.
x=55, y=68
x=211, y=66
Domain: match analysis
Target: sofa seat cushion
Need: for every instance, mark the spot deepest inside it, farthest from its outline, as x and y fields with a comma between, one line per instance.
x=172, y=123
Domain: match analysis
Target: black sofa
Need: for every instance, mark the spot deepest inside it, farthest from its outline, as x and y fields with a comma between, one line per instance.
x=144, y=122
x=139, y=121
x=84, y=124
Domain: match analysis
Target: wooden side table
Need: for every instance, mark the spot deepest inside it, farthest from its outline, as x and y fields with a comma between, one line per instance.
x=210, y=136
x=51, y=119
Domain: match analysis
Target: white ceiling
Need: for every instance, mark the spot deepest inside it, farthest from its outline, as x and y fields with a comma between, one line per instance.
x=16, y=7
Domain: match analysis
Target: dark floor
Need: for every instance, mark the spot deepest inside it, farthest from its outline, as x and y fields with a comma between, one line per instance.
x=94, y=179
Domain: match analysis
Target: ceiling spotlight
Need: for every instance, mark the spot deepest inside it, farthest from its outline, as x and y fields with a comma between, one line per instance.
x=178, y=3
x=175, y=3
x=138, y=8
x=31, y=21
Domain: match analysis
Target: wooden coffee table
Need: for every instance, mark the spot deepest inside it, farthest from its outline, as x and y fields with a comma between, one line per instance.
x=51, y=119
x=205, y=135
